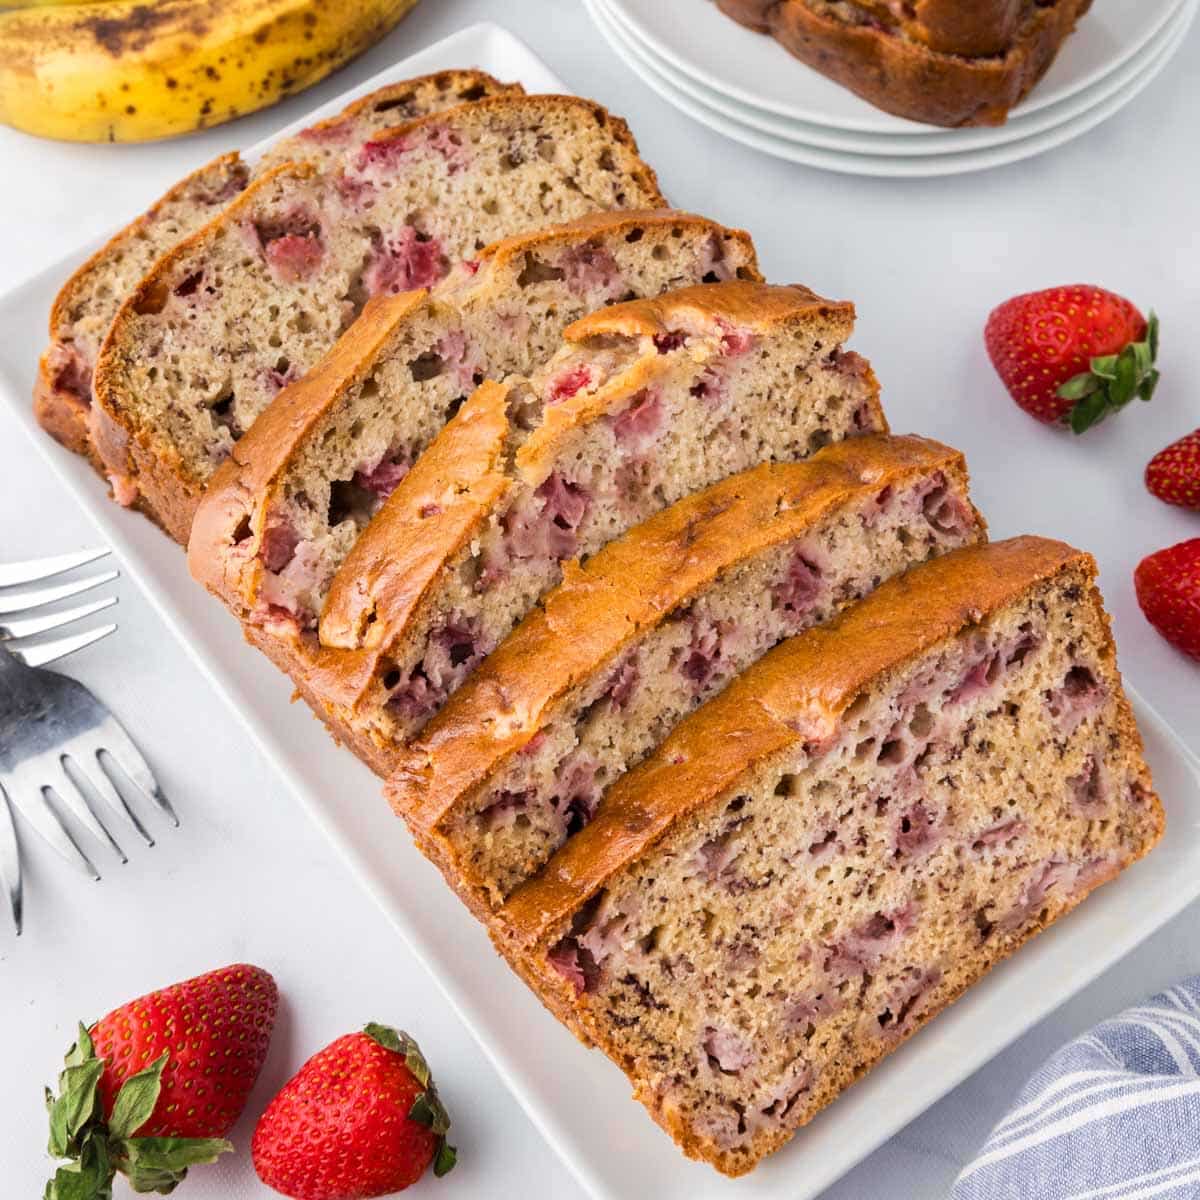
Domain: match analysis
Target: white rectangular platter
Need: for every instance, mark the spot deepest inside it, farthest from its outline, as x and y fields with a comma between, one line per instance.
x=577, y=1099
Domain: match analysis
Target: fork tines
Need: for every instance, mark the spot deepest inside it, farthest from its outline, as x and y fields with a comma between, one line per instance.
x=11, y=602
x=57, y=741
x=16, y=574
x=16, y=599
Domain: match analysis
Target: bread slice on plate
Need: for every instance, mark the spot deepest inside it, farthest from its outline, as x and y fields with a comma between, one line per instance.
x=88, y=301
x=283, y=511
x=648, y=402
x=852, y=46
x=827, y=854
x=250, y=302
x=651, y=627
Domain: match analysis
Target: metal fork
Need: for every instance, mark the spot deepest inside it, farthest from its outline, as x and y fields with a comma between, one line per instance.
x=48, y=721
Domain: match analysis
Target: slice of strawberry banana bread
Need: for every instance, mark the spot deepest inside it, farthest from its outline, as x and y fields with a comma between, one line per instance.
x=251, y=301
x=282, y=512
x=88, y=301
x=650, y=401
x=850, y=43
x=651, y=627
x=853, y=832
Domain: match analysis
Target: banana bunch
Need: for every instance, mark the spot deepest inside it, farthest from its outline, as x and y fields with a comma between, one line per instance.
x=132, y=70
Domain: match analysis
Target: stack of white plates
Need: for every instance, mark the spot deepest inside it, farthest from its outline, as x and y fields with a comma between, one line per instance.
x=746, y=86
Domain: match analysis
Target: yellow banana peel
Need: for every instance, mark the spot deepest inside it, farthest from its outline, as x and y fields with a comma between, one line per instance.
x=135, y=70
x=8, y=4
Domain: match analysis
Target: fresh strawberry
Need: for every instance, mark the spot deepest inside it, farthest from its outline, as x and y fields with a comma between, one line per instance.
x=1073, y=354
x=154, y=1087
x=1168, y=589
x=1173, y=474
x=360, y=1118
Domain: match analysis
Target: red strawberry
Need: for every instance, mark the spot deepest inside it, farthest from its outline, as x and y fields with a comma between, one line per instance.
x=361, y=1118
x=1073, y=354
x=1168, y=589
x=154, y=1087
x=1173, y=474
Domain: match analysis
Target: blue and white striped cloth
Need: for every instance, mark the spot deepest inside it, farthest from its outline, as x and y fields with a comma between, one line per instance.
x=1115, y=1115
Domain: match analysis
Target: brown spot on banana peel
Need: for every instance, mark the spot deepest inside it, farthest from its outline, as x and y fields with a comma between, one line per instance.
x=137, y=28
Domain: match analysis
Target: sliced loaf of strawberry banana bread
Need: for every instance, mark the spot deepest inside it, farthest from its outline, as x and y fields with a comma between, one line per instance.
x=88, y=301
x=282, y=512
x=832, y=850
x=252, y=300
x=649, y=402
x=651, y=627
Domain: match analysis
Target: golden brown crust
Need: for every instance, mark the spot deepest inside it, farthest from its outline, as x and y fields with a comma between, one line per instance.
x=605, y=222
x=756, y=307
x=624, y=589
x=245, y=485
x=796, y=693
x=452, y=80
x=914, y=81
x=369, y=586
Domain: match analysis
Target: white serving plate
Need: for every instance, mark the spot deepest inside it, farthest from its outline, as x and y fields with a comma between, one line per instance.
x=1021, y=124
x=577, y=1099
x=893, y=166
x=695, y=37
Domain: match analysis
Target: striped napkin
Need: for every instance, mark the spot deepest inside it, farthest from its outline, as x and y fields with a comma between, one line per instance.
x=1115, y=1115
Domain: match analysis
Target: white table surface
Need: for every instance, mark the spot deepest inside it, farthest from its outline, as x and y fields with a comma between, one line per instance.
x=246, y=878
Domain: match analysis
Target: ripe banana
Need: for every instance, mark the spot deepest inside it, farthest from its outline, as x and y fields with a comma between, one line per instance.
x=133, y=70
